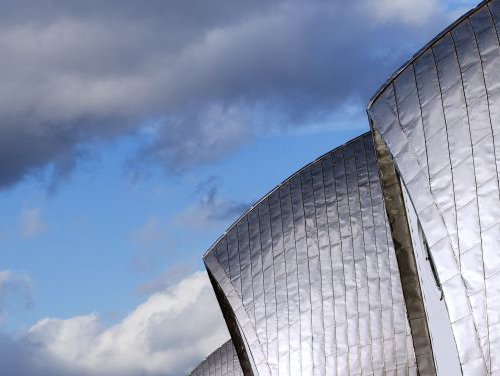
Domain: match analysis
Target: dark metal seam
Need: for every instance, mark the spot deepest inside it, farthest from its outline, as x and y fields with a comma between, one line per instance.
x=232, y=325
x=396, y=213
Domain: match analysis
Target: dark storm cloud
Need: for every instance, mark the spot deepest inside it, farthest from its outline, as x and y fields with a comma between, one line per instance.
x=212, y=73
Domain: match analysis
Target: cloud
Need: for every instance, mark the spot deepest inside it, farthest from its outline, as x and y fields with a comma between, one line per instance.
x=177, y=146
x=166, y=335
x=173, y=275
x=153, y=239
x=209, y=74
x=406, y=11
x=32, y=223
x=16, y=292
x=210, y=209
x=150, y=232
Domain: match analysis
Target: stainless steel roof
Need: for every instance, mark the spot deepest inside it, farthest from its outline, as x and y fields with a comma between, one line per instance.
x=311, y=276
x=222, y=362
x=439, y=117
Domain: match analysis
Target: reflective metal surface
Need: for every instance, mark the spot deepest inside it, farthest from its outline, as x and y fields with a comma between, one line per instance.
x=222, y=362
x=444, y=348
x=310, y=274
x=439, y=118
x=406, y=257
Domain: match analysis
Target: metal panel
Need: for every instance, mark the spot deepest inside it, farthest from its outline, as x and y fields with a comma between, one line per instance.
x=406, y=258
x=316, y=289
x=439, y=118
x=222, y=362
x=443, y=344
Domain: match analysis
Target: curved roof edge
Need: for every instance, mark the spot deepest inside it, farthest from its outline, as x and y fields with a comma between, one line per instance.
x=280, y=185
x=228, y=344
x=422, y=50
x=213, y=352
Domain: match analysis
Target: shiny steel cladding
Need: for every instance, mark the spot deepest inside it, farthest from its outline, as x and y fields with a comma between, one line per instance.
x=439, y=118
x=222, y=362
x=405, y=255
x=311, y=276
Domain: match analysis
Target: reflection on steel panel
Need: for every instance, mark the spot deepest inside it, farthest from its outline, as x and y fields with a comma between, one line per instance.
x=222, y=362
x=439, y=117
x=407, y=262
x=443, y=344
x=310, y=274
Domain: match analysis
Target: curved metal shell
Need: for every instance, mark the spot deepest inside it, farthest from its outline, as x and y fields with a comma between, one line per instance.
x=222, y=362
x=439, y=118
x=308, y=279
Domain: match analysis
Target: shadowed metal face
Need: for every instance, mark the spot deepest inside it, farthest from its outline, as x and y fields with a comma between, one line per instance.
x=439, y=118
x=310, y=276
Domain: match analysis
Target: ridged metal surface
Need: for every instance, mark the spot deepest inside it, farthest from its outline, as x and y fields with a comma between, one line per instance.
x=439, y=118
x=222, y=362
x=311, y=275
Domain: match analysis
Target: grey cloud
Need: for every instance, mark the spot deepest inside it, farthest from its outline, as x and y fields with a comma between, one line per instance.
x=212, y=73
x=178, y=146
x=18, y=357
x=217, y=208
x=32, y=223
x=211, y=208
x=151, y=232
x=21, y=356
x=16, y=292
x=154, y=240
x=173, y=275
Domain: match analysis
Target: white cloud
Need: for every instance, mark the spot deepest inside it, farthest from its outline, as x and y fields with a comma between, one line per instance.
x=32, y=223
x=168, y=334
x=407, y=11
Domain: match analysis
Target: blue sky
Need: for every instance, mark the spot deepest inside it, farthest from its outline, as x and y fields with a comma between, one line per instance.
x=131, y=137
x=102, y=235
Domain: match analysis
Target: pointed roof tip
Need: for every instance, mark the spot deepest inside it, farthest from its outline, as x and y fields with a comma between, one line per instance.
x=345, y=144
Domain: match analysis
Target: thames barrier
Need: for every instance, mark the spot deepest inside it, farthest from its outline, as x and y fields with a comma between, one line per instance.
x=325, y=274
